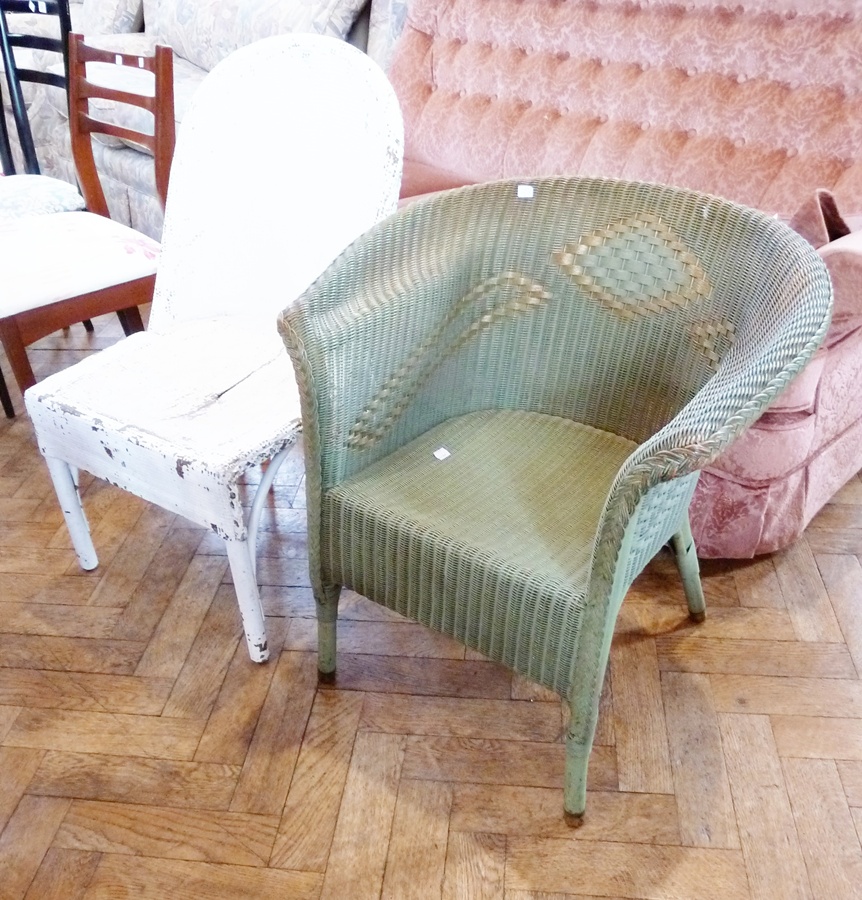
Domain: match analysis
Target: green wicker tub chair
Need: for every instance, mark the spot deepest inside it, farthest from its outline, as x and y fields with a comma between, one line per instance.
x=508, y=391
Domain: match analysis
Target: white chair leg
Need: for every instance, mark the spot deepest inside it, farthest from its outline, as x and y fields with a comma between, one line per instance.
x=248, y=597
x=260, y=499
x=70, y=502
x=242, y=556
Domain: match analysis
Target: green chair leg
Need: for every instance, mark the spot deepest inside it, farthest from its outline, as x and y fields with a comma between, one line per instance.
x=327, y=614
x=686, y=560
x=575, y=783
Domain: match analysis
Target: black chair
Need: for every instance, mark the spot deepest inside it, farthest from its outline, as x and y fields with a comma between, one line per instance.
x=5, y=399
x=8, y=166
x=32, y=192
x=10, y=39
x=6, y=162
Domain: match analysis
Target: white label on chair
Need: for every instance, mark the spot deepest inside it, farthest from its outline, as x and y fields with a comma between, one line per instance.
x=442, y=453
x=118, y=59
x=526, y=192
x=140, y=62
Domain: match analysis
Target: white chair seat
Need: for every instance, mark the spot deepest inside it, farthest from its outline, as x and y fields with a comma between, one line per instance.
x=160, y=432
x=74, y=253
x=27, y=195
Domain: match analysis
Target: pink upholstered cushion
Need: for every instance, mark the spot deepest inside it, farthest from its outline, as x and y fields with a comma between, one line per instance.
x=419, y=178
x=844, y=260
x=819, y=220
x=825, y=226
x=760, y=104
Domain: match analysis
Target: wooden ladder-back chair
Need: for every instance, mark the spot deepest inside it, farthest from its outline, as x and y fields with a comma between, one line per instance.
x=65, y=267
x=508, y=392
x=182, y=412
x=160, y=144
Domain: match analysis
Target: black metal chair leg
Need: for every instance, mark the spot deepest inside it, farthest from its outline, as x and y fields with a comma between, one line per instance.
x=16, y=96
x=88, y=326
x=5, y=399
x=6, y=160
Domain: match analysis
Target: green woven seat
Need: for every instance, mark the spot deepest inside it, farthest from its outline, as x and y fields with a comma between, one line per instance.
x=492, y=505
x=508, y=392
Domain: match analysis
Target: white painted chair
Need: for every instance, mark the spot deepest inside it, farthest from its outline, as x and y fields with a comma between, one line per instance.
x=179, y=413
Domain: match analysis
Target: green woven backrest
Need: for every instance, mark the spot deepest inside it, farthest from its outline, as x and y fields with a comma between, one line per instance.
x=610, y=303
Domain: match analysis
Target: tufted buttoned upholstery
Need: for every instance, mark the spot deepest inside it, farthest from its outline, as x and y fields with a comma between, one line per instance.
x=759, y=101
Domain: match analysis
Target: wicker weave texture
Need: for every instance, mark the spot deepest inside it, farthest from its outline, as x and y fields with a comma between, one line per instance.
x=580, y=348
x=508, y=562
x=413, y=284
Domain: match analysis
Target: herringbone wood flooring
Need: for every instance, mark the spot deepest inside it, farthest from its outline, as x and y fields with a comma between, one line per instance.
x=142, y=755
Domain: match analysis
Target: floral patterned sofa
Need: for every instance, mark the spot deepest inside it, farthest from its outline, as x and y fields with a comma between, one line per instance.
x=759, y=101
x=201, y=33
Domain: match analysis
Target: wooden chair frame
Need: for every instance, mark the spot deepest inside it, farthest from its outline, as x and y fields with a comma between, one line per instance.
x=83, y=125
x=19, y=330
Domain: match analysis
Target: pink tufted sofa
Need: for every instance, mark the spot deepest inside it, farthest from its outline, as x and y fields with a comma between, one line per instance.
x=759, y=101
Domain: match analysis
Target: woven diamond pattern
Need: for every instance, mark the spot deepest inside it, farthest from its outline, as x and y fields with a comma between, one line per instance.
x=635, y=267
x=398, y=391
x=713, y=338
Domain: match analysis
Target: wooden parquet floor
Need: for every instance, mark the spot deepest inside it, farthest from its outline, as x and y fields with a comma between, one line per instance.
x=142, y=755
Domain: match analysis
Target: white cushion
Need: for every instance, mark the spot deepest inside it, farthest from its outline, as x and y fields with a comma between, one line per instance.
x=387, y=23
x=206, y=31
x=49, y=258
x=111, y=16
x=24, y=195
